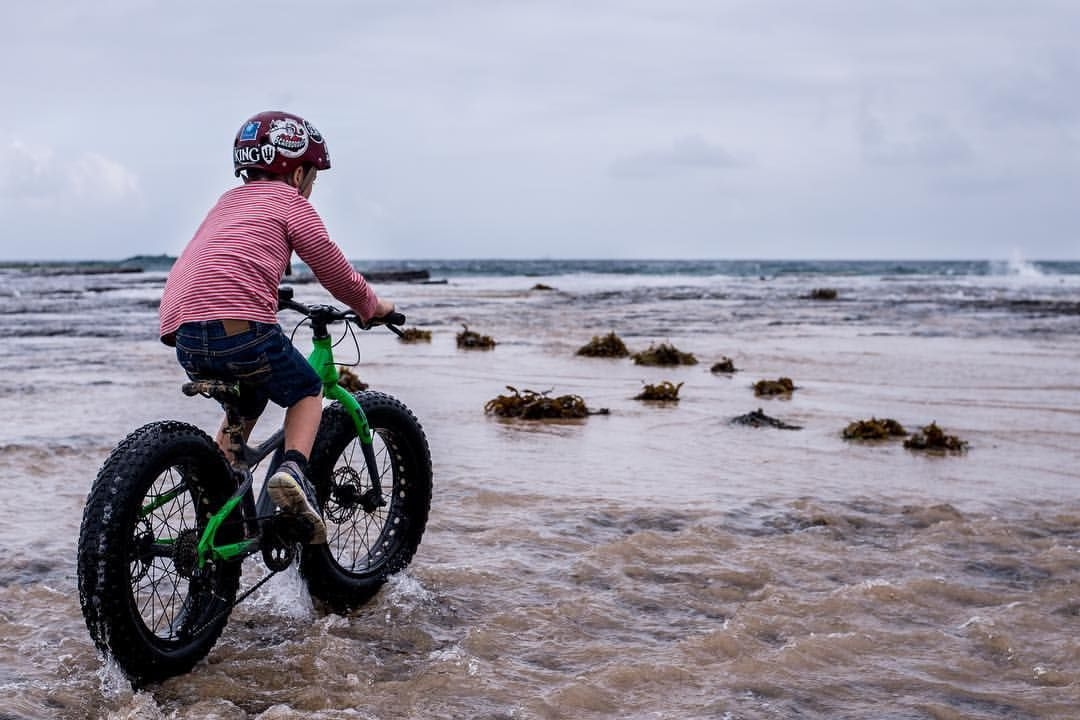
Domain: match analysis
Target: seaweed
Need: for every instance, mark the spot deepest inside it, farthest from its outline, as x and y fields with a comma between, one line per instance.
x=411, y=335
x=609, y=345
x=874, y=429
x=663, y=391
x=780, y=386
x=932, y=437
x=473, y=340
x=760, y=419
x=350, y=380
x=725, y=365
x=532, y=405
x=664, y=354
x=823, y=294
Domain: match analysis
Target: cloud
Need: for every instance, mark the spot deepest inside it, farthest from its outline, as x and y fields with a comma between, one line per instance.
x=1039, y=93
x=39, y=177
x=927, y=140
x=687, y=153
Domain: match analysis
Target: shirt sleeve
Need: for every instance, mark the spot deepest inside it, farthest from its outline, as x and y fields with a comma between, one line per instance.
x=312, y=243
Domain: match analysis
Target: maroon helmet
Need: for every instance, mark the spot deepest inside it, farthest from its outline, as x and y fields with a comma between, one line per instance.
x=278, y=142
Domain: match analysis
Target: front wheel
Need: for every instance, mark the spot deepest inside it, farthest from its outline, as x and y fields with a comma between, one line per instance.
x=145, y=600
x=364, y=548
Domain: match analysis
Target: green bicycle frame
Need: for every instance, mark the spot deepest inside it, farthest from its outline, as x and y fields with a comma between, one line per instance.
x=321, y=360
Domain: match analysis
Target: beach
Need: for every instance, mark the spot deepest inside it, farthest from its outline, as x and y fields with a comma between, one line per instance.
x=656, y=561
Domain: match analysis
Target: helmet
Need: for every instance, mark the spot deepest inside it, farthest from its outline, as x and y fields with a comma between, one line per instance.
x=278, y=142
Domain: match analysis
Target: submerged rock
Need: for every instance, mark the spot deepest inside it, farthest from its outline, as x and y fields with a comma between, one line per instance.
x=724, y=365
x=760, y=419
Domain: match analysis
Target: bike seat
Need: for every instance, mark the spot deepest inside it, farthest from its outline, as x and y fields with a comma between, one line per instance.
x=220, y=390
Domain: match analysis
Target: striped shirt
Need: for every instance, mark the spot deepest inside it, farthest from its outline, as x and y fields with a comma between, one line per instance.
x=232, y=267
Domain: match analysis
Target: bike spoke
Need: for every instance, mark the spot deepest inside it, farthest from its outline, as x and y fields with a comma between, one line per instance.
x=358, y=541
x=157, y=588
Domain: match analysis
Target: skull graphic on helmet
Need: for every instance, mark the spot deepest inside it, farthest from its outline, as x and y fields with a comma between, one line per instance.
x=278, y=142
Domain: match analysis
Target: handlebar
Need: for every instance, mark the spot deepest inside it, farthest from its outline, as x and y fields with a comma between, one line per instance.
x=323, y=315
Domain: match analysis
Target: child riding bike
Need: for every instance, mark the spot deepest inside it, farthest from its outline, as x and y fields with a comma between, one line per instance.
x=219, y=307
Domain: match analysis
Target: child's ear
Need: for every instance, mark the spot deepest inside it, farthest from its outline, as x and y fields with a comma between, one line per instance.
x=297, y=177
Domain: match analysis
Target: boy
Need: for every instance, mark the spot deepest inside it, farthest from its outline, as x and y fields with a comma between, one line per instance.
x=219, y=308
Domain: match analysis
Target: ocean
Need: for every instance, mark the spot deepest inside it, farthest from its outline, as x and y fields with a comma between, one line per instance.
x=658, y=561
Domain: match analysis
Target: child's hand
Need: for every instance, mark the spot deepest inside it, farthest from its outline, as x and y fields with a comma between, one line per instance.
x=383, y=308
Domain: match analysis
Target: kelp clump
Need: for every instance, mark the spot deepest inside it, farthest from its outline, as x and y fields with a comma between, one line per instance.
x=532, y=405
x=610, y=345
x=725, y=365
x=666, y=391
x=350, y=380
x=412, y=335
x=780, y=386
x=932, y=437
x=874, y=429
x=473, y=340
x=664, y=354
x=825, y=293
x=760, y=419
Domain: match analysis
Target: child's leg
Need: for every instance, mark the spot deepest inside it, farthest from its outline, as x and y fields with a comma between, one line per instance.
x=223, y=440
x=302, y=424
x=286, y=487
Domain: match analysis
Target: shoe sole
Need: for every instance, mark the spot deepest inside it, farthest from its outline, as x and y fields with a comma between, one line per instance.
x=287, y=494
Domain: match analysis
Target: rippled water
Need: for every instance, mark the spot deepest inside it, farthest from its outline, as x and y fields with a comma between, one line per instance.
x=656, y=562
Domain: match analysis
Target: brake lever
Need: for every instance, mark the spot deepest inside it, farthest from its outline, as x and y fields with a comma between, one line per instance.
x=391, y=321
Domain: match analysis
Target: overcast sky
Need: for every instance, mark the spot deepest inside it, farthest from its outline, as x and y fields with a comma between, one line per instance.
x=562, y=128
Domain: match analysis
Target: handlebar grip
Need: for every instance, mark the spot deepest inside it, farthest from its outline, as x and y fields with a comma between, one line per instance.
x=394, y=318
x=284, y=296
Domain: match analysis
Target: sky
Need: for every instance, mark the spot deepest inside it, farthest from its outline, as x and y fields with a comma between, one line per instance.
x=829, y=129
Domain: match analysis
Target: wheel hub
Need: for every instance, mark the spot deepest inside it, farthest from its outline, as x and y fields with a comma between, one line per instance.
x=345, y=496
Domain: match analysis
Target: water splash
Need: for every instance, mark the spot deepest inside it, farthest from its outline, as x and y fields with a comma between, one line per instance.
x=1016, y=266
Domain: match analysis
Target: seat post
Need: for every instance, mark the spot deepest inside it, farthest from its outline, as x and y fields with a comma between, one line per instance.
x=234, y=434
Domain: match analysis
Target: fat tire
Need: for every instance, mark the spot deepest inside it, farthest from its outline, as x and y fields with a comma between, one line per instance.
x=364, y=549
x=113, y=576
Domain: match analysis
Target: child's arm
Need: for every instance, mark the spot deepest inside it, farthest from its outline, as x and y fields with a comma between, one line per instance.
x=312, y=243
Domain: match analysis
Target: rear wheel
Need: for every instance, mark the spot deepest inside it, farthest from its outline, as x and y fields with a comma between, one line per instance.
x=145, y=600
x=364, y=548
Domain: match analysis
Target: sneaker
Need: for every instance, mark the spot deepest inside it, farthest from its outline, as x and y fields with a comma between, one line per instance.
x=288, y=489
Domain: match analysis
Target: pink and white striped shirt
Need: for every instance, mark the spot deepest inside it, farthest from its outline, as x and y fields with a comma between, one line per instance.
x=232, y=267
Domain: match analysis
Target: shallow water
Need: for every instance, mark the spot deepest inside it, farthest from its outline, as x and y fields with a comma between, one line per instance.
x=656, y=562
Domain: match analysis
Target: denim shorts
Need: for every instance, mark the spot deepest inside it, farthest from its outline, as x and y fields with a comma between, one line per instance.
x=261, y=359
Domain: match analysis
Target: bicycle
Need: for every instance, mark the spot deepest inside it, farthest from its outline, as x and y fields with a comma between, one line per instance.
x=169, y=521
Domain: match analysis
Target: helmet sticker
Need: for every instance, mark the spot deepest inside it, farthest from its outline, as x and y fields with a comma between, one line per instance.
x=288, y=136
x=314, y=134
x=268, y=152
x=245, y=155
x=250, y=131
